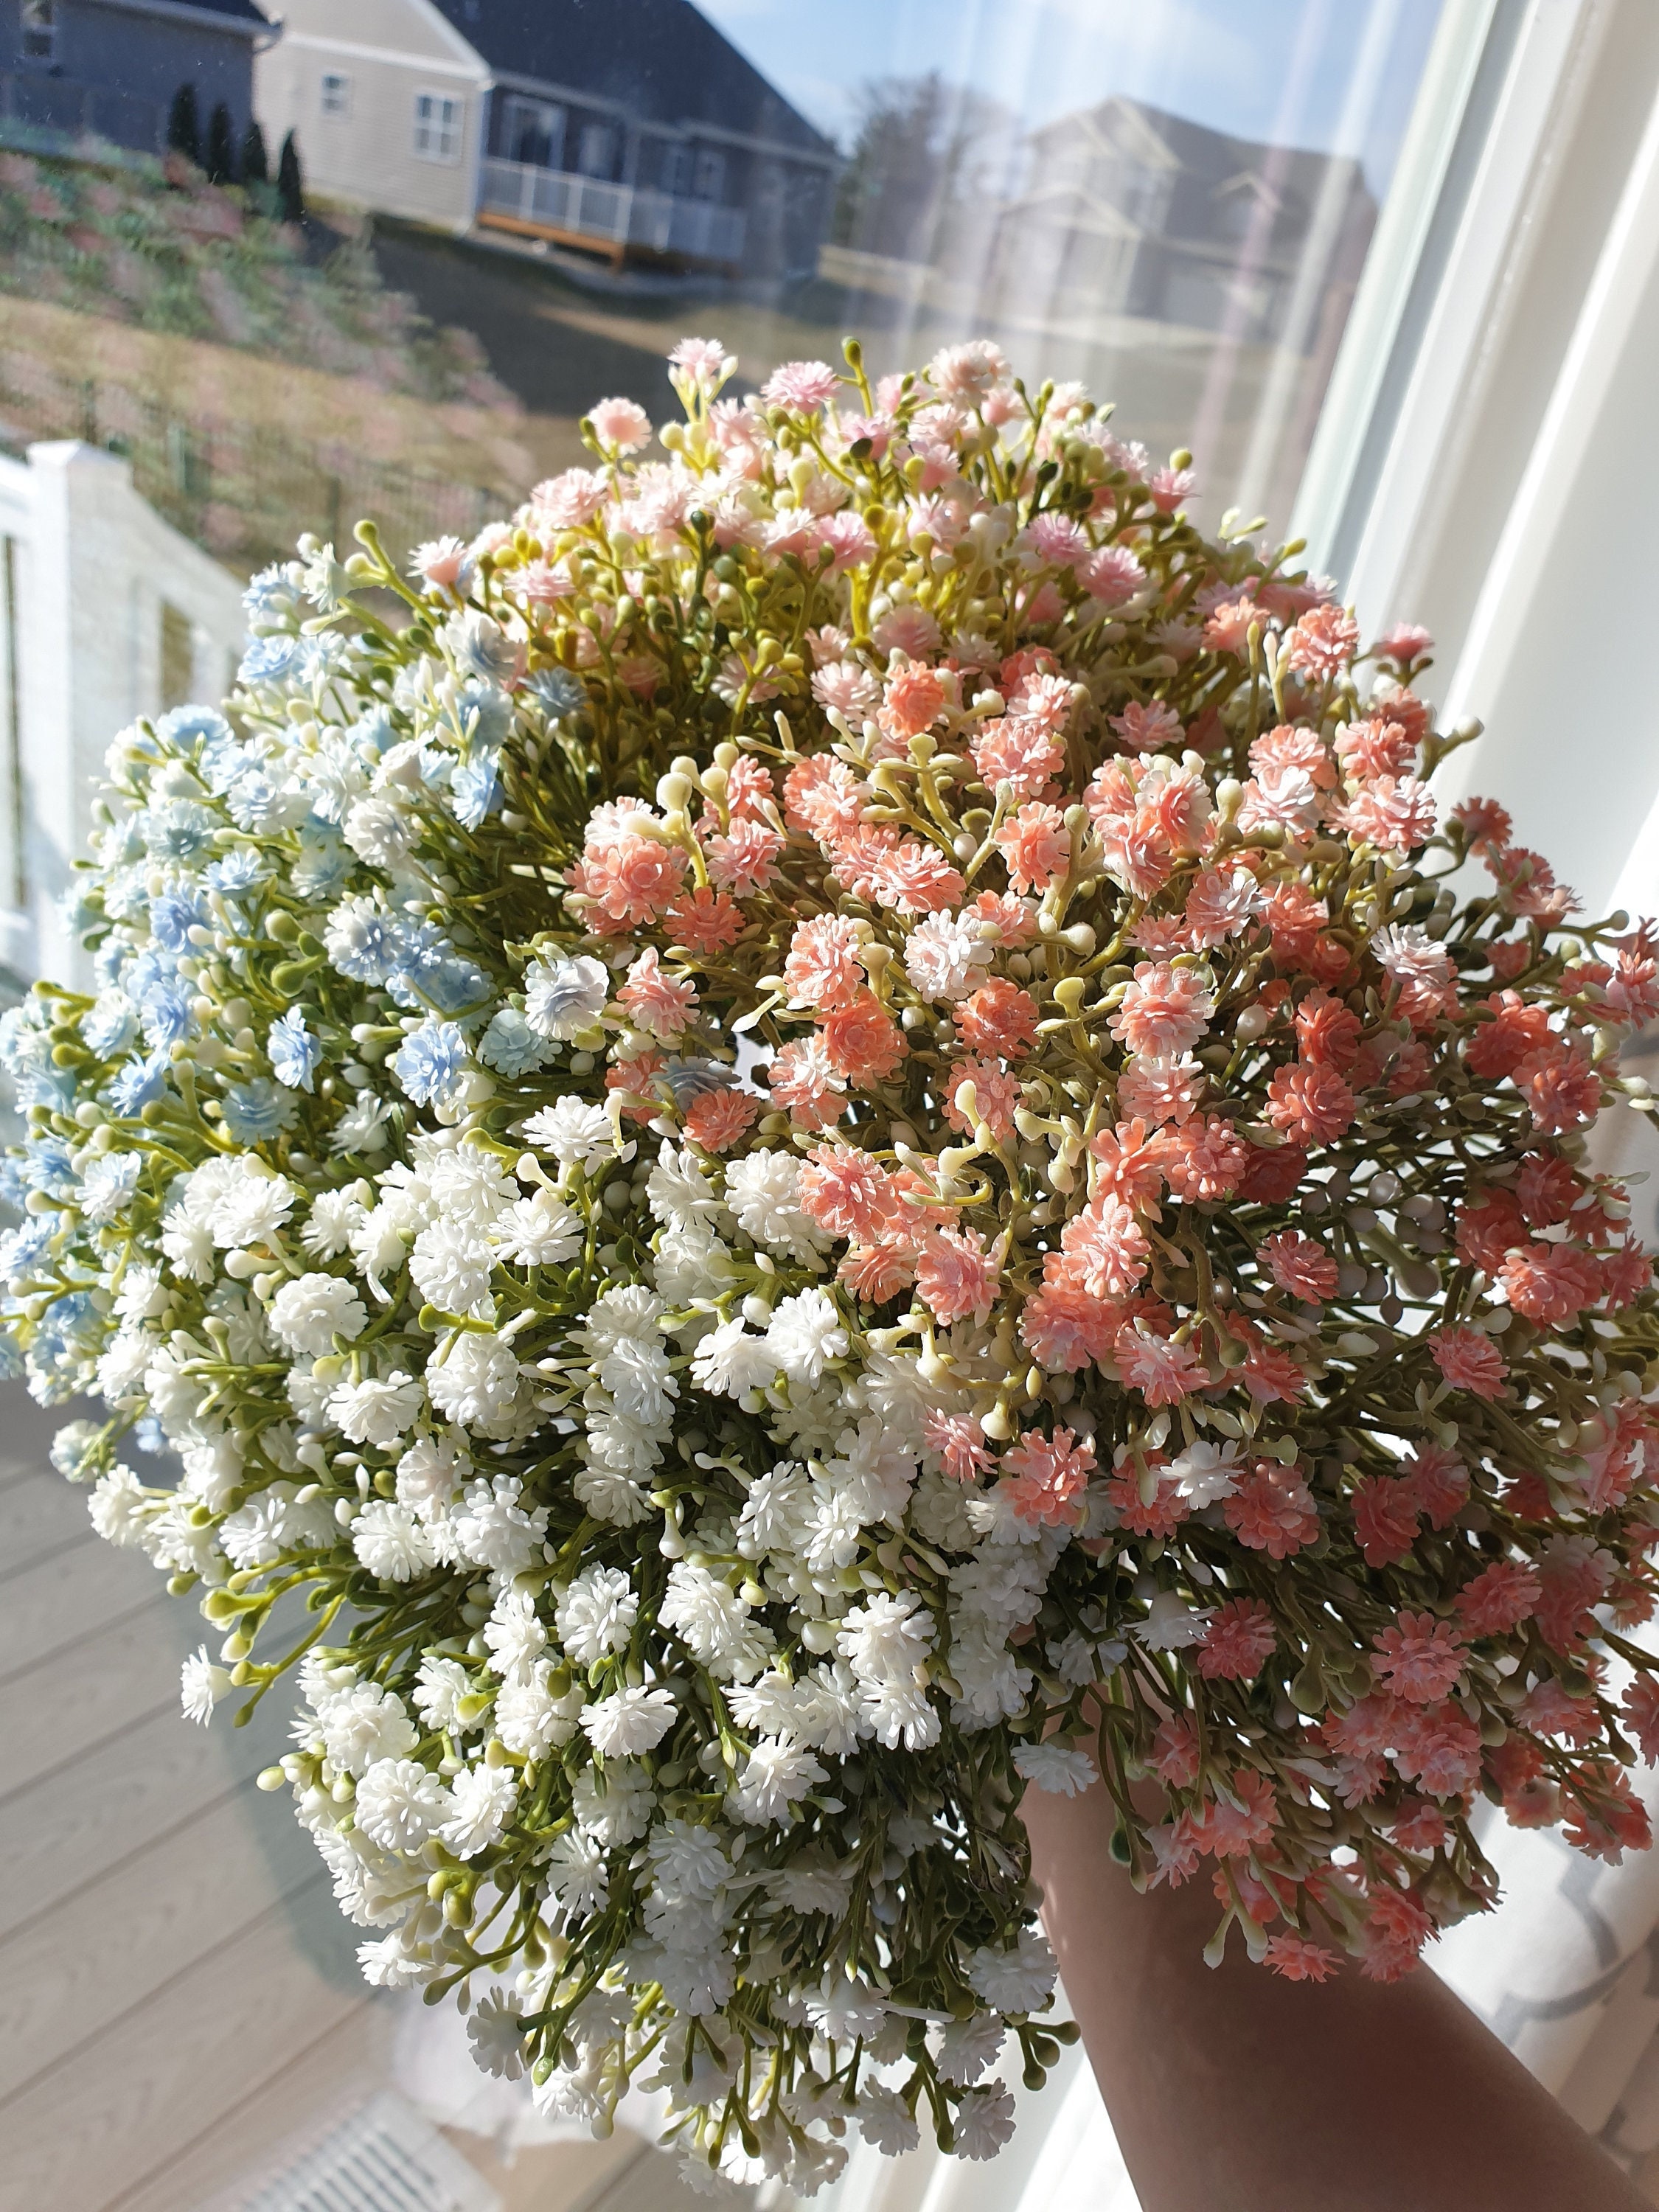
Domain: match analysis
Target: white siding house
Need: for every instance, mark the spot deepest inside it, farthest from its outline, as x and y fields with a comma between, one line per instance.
x=388, y=103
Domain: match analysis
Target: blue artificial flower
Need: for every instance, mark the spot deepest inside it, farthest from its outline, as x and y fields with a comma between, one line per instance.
x=373, y=735
x=165, y=1013
x=71, y=1447
x=178, y=830
x=557, y=692
x=242, y=869
x=54, y=1088
x=455, y=984
x=256, y=1112
x=293, y=1051
x=268, y=660
x=272, y=597
x=148, y=1434
x=184, y=728
x=21, y=1041
x=23, y=1248
x=510, y=1046
x=364, y=940
x=13, y=1183
x=475, y=792
x=47, y=1166
x=173, y=914
x=483, y=715
x=323, y=865
x=112, y=1024
x=430, y=1062
x=140, y=1084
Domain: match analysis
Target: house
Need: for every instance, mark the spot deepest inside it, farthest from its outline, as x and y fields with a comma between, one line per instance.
x=109, y=69
x=638, y=133
x=1131, y=210
x=105, y=613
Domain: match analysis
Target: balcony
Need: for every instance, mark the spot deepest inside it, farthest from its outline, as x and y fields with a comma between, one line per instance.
x=617, y=219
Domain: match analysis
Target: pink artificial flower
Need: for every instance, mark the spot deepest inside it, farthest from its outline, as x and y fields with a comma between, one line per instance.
x=956, y=1276
x=1394, y=813
x=1550, y=1283
x=914, y=699
x=1469, y=1360
x=704, y=921
x=1111, y=576
x=1298, y=1959
x=1419, y=1658
x=1169, y=487
x=801, y=386
x=1271, y=1509
x=1164, y=1371
x=958, y=1442
x=1560, y=1085
x=1220, y=903
x=441, y=563
x=1036, y=846
x=1497, y=1048
x=908, y=629
x=744, y=859
x=703, y=362
x=1105, y=1248
x=1203, y=1158
x=1322, y=643
x=1153, y=727
x=806, y=1084
x=1066, y=1329
x=1164, y=1010
x=717, y=1119
x=1299, y=1265
x=1160, y=1090
x=1372, y=749
x=1287, y=747
x=1228, y=630
x=1131, y=1170
x=657, y=1001
x=1049, y=1477
x=865, y=1044
x=996, y=1095
x=1057, y=540
x=565, y=502
x=824, y=799
x=846, y=1192
x=1238, y=1639
x=998, y=1019
x=1440, y=1483
x=627, y=880
x=1015, y=752
x=1310, y=1103
x=1385, y=1518
x=822, y=967
x=1285, y=799
x=1547, y=1709
x=621, y=423
x=1574, y=1575
x=1486, y=823
x=850, y=688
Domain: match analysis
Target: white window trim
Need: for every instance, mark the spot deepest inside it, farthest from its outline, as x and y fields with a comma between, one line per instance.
x=441, y=102
x=342, y=113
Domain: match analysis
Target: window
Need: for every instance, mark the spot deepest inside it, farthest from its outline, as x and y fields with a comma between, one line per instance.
x=335, y=98
x=178, y=670
x=437, y=127
x=676, y=170
x=533, y=131
x=596, y=154
x=709, y=180
x=37, y=22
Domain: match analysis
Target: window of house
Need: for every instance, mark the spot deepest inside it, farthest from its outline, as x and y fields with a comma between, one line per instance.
x=336, y=94
x=596, y=151
x=437, y=127
x=676, y=170
x=36, y=23
x=709, y=180
x=533, y=132
x=178, y=656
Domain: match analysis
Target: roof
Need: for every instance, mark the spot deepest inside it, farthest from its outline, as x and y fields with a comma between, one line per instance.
x=237, y=15
x=662, y=60
x=1199, y=151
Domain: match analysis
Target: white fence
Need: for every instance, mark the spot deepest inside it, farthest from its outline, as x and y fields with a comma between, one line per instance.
x=616, y=216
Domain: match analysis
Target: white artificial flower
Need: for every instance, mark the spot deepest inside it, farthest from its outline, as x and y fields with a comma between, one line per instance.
x=629, y=1721
x=334, y=1221
x=805, y=1335
x=515, y=1635
x=596, y=1615
x=439, y=1688
x=1205, y=1473
x=496, y=2031
x=564, y=997
x=399, y=1803
x=494, y=1530
x=886, y=2122
x=201, y=1686
x=1019, y=1980
x=393, y=1543
x=1059, y=1768
x=538, y=1232
x=484, y=1799
x=576, y=1132
x=615, y=1808
x=630, y=1311
x=430, y=1472
x=945, y=957
x=764, y=1192
x=640, y=1381
x=107, y=1187
x=776, y=1777
x=1171, y=1625
x=308, y=1313
x=968, y=2048
x=576, y=1873
x=984, y=2121
x=451, y=1265
x=378, y=1411
x=363, y=1724
x=475, y=1380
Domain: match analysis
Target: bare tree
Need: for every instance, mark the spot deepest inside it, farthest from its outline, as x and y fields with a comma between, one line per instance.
x=928, y=164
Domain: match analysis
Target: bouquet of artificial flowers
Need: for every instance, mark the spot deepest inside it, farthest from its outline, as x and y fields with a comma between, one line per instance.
x=813, y=1137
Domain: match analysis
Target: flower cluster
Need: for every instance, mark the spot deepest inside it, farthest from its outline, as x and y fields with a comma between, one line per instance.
x=814, y=1136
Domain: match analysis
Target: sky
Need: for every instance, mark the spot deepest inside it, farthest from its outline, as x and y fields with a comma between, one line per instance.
x=1335, y=75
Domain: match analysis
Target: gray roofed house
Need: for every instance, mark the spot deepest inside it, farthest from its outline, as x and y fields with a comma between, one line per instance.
x=1136, y=212
x=637, y=132
x=109, y=69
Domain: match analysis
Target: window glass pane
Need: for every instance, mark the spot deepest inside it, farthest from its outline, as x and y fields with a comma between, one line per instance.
x=1169, y=200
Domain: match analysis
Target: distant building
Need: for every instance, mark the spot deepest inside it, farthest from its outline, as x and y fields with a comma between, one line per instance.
x=108, y=68
x=635, y=131
x=1135, y=212
x=105, y=613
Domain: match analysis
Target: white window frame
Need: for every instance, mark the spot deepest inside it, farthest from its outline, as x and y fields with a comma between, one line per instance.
x=334, y=95
x=440, y=126
x=36, y=30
